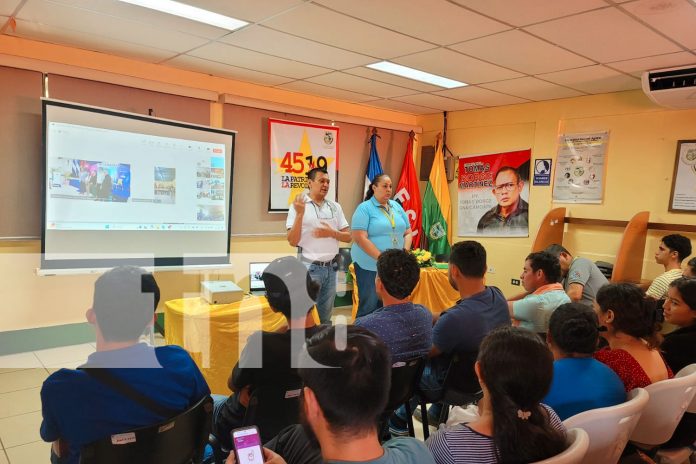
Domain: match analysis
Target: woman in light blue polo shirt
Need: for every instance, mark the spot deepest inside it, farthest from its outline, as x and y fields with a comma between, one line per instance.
x=378, y=224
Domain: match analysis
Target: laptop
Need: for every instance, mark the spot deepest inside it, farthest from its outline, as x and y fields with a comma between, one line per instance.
x=256, y=286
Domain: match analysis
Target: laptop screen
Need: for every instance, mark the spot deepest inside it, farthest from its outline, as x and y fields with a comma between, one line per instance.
x=255, y=272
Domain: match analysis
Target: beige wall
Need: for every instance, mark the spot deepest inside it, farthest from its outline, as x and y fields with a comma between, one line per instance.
x=640, y=161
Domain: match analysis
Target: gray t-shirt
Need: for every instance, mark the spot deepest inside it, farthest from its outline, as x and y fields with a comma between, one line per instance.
x=584, y=272
x=402, y=450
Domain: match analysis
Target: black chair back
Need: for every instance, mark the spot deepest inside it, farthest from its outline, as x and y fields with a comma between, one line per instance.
x=404, y=381
x=180, y=440
x=274, y=407
x=461, y=385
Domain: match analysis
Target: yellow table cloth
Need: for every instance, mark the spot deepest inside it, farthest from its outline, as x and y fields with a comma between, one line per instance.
x=214, y=335
x=433, y=290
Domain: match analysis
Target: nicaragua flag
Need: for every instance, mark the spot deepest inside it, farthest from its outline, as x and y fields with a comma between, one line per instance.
x=374, y=167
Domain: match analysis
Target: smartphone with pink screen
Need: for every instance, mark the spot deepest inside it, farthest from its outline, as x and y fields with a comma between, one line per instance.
x=247, y=445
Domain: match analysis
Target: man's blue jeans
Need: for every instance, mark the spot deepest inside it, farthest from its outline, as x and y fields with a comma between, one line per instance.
x=431, y=385
x=368, y=300
x=326, y=277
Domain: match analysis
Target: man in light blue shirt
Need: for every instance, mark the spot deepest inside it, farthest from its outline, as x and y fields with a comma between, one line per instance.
x=540, y=277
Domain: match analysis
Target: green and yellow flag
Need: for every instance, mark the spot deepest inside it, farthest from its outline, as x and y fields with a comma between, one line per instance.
x=437, y=209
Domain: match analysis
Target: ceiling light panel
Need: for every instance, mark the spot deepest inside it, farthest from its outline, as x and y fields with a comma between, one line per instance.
x=190, y=12
x=415, y=74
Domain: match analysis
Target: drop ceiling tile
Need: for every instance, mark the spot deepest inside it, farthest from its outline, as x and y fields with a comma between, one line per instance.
x=523, y=52
x=401, y=106
x=265, y=40
x=361, y=85
x=35, y=31
x=251, y=11
x=147, y=16
x=328, y=27
x=481, y=96
x=637, y=66
x=523, y=12
x=392, y=79
x=192, y=63
x=674, y=18
x=235, y=56
x=87, y=22
x=435, y=101
x=448, y=63
x=331, y=92
x=450, y=23
x=8, y=7
x=593, y=79
x=532, y=89
x=604, y=35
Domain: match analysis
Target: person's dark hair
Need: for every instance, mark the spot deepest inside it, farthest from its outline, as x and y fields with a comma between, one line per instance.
x=634, y=314
x=547, y=263
x=687, y=289
x=517, y=368
x=312, y=173
x=678, y=243
x=399, y=272
x=573, y=329
x=469, y=257
x=125, y=299
x=289, y=288
x=692, y=265
x=557, y=249
x=353, y=389
x=370, y=193
x=508, y=168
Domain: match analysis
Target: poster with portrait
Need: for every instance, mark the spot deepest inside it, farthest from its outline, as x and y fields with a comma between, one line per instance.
x=493, y=194
x=683, y=196
x=579, y=175
x=295, y=148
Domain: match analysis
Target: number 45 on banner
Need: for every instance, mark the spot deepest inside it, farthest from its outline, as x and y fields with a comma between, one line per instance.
x=295, y=162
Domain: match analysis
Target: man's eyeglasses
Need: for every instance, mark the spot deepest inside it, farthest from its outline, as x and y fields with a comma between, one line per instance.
x=504, y=187
x=321, y=211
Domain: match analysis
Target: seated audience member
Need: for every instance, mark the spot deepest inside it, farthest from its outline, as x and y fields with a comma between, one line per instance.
x=581, y=277
x=628, y=320
x=673, y=249
x=267, y=358
x=79, y=409
x=342, y=403
x=690, y=269
x=405, y=328
x=540, y=277
x=679, y=347
x=515, y=369
x=580, y=382
x=462, y=327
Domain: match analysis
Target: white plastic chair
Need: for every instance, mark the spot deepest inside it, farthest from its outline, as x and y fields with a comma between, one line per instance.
x=578, y=442
x=609, y=428
x=678, y=455
x=668, y=401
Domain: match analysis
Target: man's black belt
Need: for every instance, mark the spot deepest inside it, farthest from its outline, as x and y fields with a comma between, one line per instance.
x=320, y=263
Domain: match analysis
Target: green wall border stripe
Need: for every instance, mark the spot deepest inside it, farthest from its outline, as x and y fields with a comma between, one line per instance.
x=19, y=341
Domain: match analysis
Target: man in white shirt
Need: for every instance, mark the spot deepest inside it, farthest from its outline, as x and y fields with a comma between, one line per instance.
x=316, y=225
x=673, y=249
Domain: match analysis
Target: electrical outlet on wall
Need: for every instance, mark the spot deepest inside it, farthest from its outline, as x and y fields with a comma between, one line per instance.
x=515, y=282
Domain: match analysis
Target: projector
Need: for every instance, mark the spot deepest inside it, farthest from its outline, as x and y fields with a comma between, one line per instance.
x=220, y=291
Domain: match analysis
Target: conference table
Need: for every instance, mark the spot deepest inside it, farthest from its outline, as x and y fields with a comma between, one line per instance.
x=432, y=291
x=215, y=335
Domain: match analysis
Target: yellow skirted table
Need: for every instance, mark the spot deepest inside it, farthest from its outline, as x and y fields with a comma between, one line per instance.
x=215, y=335
x=433, y=290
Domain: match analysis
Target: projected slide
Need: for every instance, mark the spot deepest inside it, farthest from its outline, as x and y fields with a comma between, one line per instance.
x=106, y=179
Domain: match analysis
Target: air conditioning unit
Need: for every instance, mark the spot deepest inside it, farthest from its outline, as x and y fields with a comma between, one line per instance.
x=671, y=87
